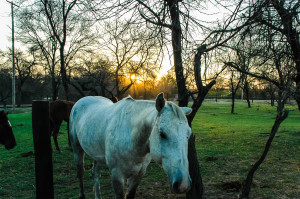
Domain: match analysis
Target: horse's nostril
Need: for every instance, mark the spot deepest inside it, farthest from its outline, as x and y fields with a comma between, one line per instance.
x=176, y=187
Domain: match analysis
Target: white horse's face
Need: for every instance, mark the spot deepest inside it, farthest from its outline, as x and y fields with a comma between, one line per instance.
x=169, y=145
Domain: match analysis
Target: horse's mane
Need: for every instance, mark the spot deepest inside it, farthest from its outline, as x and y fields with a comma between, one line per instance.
x=133, y=108
x=142, y=104
x=177, y=111
x=126, y=108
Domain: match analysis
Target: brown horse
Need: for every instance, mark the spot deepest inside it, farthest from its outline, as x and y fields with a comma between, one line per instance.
x=7, y=137
x=59, y=112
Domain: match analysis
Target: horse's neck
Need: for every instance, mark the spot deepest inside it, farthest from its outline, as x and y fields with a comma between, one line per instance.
x=146, y=112
x=143, y=123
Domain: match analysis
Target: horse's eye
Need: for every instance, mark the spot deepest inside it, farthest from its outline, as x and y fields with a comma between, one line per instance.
x=163, y=136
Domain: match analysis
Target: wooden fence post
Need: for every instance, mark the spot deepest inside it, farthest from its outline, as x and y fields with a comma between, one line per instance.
x=42, y=150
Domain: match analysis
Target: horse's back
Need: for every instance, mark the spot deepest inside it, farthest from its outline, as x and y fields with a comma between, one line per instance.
x=57, y=110
x=60, y=110
x=69, y=105
x=90, y=102
x=88, y=106
x=87, y=122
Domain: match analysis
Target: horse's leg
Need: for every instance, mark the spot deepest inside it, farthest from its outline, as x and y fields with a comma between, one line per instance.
x=80, y=172
x=79, y=160
x=96, y=175
x=51, y=130
x=117, y=183
x=55, y=134
x=69, y=135
x=133, y=183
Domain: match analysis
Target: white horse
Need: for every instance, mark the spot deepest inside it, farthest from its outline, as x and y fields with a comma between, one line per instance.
x=126, y=136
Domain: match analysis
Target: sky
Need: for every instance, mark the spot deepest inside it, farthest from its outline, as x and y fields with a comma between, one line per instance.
x=5, y=25
x=5, y=28
x=5, y=22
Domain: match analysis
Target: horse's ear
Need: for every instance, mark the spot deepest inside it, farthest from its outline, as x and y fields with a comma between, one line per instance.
x=186, y=110
x=160, y=102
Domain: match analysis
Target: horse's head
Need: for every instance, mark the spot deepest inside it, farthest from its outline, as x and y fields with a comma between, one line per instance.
x=169, y=143
x=7, y=137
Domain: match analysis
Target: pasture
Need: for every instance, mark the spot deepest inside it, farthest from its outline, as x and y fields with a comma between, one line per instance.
x=227, y=145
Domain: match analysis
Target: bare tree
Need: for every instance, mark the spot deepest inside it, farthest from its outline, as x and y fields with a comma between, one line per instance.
x=24, y=64
x=5, y=84
x=271, y=91
x=57, y=16
x=133, y=51
x=235, y=81
x=34, y=30
x=279, y=18
x=239, y=80
x=147, y=76
x=274, y=53
x=167, y=84
x=93, y=74
x=64, y=23
x=278, y=62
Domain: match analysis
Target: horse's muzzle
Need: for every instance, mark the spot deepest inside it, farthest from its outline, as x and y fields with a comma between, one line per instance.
x=181, y=186
x=10, y=145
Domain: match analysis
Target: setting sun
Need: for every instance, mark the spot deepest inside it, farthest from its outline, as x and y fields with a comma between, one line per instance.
x=132, y=77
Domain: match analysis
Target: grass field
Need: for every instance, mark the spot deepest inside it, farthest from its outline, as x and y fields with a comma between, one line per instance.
x=227, y=145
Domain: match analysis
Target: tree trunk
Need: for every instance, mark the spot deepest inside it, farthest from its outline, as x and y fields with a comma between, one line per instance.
x=196, y=191
x=232, y=96
x=247, y=92
x=272, y=101
x=54, y=88
x=232, y=102
x=248, y=102
x=18, y=95
x=197, y=186
x=297, y=94
x=281, y=116
x=63, y=73
x=61, y=40
x=177, y=53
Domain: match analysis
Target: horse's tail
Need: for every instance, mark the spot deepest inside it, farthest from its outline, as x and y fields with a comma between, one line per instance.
x=72, y=129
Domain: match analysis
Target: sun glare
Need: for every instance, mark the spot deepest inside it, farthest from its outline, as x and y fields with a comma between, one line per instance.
x=132, y=77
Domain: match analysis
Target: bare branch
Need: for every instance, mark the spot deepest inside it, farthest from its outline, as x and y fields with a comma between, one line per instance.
x=159, y=21
x=264, y=77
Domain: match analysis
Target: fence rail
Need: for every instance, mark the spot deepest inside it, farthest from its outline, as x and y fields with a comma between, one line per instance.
x=21, y=106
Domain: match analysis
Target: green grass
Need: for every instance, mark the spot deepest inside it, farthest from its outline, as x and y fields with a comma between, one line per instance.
x=227, y=145
x=237, y=140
